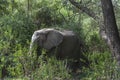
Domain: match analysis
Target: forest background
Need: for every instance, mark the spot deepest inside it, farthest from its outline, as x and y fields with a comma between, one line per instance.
x=20, y=18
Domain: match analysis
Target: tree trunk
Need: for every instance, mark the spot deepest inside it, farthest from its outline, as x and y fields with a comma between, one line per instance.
x=108, y=29
x=111, y=29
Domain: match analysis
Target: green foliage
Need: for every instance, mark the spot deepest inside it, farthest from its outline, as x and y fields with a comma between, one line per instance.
x=18, y=21
x=102, y=67
x=14, y=30
x=9, y=54
x=96, y=43
x=50, y=70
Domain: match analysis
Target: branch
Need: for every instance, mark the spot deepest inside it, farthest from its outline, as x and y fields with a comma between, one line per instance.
x=90, y=13
x=84, y=9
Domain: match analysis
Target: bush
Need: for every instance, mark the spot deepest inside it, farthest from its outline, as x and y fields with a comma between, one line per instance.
x=14, y=31
x=52, y=69
x=102, y=67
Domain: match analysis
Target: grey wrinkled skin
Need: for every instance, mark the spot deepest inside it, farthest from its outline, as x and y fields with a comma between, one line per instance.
x=62, y=44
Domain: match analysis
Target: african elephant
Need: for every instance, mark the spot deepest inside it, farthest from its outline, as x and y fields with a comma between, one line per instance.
x=63, y=44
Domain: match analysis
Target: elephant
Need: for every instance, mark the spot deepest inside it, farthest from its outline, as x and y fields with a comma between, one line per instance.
x=63, y=44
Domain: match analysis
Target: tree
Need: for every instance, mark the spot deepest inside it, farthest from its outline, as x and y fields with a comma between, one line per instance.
x=108, y=28
x=111, y=29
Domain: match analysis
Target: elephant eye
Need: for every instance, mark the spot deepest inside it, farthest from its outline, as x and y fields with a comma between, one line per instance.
x=37, y=34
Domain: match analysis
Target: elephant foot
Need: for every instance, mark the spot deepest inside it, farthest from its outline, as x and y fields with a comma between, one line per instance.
x=73, y=66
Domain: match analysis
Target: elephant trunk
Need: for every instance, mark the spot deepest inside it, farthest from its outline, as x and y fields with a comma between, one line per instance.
x=31, y=48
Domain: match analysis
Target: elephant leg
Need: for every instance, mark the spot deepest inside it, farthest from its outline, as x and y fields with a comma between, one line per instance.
x=39, y=51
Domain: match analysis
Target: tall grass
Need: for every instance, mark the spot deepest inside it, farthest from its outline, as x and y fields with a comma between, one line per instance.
x=52, y=69
x=102, y=67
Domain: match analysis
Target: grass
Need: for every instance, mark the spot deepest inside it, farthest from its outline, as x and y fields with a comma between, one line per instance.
x=102, y=67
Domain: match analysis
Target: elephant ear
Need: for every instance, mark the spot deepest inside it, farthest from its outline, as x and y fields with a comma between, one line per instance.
x=54, y=38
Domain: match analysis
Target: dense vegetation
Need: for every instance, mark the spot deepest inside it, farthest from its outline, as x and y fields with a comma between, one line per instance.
x=20, y=18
